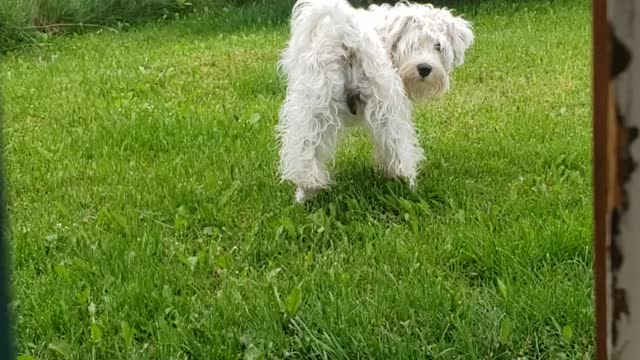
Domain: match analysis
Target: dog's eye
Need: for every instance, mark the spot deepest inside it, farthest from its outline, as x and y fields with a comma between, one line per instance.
x=438, y=47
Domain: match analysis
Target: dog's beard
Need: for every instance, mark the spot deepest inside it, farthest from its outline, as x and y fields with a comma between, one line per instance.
x=421, y=89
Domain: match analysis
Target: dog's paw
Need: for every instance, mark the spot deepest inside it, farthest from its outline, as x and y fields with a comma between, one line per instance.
x=412, y=184
x=390, y=173
x=386, y=172
x=303, y=195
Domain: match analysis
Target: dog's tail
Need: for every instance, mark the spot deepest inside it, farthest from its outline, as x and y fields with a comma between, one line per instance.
x=308, y=14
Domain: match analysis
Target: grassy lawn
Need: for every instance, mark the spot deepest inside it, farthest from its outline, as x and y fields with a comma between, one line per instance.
x=148, y=221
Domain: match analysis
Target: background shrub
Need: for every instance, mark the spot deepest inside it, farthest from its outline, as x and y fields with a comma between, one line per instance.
x=24, y=21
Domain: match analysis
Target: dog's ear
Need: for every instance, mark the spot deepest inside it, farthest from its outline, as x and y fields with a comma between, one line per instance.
x=395, y=28
x=460, y=34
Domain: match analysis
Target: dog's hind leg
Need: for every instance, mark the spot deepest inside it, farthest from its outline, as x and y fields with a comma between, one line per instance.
x=308, y=133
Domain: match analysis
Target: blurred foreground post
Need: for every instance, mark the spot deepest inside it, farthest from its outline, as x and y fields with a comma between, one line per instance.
x=6, y=335
x=617, y=186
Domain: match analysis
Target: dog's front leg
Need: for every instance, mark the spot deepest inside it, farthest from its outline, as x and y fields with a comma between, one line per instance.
x=397, y=150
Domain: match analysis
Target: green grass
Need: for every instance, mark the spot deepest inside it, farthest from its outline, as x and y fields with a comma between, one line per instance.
x=148, y=221
x=25, y=22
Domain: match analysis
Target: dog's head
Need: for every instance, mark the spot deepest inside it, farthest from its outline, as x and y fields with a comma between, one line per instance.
x=425, y=45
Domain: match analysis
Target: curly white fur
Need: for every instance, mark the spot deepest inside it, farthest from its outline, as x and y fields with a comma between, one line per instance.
x=355, y=66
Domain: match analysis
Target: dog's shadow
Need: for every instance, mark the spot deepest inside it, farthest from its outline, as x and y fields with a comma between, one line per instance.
x=359, y=186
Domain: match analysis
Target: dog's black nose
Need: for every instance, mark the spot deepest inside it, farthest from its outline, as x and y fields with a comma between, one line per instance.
x=424, y=70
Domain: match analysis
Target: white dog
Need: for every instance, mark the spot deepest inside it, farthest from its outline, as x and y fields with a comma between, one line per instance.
x=345, y=66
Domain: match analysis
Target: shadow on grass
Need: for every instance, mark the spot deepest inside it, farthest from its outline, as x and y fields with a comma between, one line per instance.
x=360, y=192
x=257, y=16
x=271, y=15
